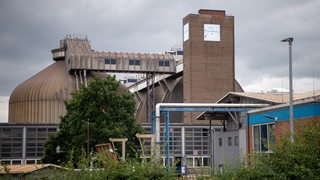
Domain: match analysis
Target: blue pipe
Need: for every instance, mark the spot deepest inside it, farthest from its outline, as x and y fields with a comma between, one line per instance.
x=152, y=123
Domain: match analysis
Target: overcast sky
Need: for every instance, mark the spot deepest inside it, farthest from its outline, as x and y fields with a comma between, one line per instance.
x=29, y=30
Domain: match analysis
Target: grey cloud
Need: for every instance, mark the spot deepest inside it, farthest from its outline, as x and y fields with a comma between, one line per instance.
x=29, y=30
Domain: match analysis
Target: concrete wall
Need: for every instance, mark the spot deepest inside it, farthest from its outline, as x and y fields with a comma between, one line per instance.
x=226, y=148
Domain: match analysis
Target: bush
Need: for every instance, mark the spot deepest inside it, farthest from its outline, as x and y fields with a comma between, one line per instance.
x=290, y=160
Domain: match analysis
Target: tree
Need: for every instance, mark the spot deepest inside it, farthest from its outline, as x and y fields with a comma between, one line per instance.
x=103, y=109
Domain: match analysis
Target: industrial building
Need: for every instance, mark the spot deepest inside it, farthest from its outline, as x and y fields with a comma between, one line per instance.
x=208, y=56
x=268, y=123
x=203, y=71
x=246, y=132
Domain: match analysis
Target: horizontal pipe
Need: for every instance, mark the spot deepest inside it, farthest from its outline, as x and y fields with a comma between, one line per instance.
x=198, y=105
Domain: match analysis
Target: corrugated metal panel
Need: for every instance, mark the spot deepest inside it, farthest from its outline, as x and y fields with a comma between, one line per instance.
x=40, y=99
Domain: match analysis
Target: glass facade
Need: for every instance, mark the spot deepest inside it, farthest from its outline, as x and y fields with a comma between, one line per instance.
x=11, y=142
x=188, y=142
x=23, y=144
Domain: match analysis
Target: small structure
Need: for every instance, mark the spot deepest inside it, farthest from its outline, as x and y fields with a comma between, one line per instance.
x=35, y=171
x=106, y=150
x=146, y=136
x=123, y=141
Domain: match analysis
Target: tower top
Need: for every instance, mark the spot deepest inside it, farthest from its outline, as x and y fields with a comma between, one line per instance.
x=212, y=12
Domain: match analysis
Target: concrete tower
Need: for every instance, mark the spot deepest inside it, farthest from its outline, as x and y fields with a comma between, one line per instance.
x=208, y=44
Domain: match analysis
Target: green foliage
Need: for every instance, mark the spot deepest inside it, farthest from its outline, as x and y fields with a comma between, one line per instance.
x=103, y=110
x=106, y=168
x=289, y=160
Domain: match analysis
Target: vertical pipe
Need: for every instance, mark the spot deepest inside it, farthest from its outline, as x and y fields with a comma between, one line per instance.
x=152, y=123
x=85, y=77
x=167, y=141
x=183, y=141
x=183, y=148
x=158, y=123
x=77, y=80
x=148, y=98
x=210, y=144
x=80, y=75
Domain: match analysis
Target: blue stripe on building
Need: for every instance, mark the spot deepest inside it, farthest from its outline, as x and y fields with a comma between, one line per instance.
x=303, y=111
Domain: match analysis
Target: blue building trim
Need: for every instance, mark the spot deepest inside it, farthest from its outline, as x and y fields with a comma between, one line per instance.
x=303, y=111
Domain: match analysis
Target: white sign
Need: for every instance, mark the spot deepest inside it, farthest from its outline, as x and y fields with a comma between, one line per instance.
x=211, y=32
x=185, y=32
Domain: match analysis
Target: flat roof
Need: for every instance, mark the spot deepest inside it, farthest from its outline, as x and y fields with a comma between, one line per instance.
x=278, y=97
x=24, y=169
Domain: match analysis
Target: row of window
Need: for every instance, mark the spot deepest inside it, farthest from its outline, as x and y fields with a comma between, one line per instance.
x=135, y=62
x=230, y=142
x=19, y=162
x=196, y=141
x=11, y=140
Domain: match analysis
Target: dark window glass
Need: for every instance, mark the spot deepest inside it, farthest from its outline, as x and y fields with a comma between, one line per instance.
x=161, y=63
x=179, y=52
x=220, y=141
x=236, y=140
x=17, y=130
x=52, y=130
x=30, y=162
x=264, y=137
x=204, y=132
x=131, y=62
x=16, y=162
x=132, y=80
x=166, y=63
x=110, y=61
x=229, y=141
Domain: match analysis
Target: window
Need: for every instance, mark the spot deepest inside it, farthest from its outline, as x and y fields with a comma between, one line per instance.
x=220, y=141
x=110, y=61
x=195, y=141
x=134, y=62
x=262, y=136
x=236, y=140
x=16, y=162
x=164, y=63
x=205, y=132
x=132, y=80
x=220, y=168
x=179, y=52
x=229, y=141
